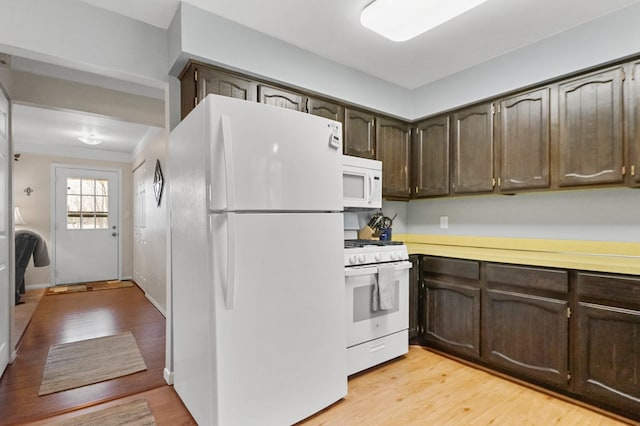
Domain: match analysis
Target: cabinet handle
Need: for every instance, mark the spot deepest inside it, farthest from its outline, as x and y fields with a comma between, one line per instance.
x=633, y=170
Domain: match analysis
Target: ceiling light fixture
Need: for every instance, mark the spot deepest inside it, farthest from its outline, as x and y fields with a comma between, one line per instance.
x=90, y=140
x=402, y=20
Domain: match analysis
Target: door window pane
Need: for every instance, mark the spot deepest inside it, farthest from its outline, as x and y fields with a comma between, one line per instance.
x=87, y=203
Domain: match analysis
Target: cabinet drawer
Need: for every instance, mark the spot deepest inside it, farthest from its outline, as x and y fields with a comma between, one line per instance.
x=625, y=289
x=528, y=277
x=452, y=267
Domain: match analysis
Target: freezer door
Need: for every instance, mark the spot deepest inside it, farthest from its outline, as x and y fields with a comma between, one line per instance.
x=280, y=341
x=265, y=158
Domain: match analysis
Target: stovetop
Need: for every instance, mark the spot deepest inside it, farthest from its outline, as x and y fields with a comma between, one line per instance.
x=365, y=243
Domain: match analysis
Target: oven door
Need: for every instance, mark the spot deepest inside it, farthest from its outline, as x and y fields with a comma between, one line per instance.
x=365, y=324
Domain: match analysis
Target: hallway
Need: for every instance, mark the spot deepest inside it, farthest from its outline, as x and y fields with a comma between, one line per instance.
x=73, y=317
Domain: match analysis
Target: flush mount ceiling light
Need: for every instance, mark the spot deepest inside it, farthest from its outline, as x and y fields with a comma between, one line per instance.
x=90, y=140
x=402, y=20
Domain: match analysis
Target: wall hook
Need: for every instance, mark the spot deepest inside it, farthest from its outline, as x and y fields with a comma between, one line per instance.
x=28, y=190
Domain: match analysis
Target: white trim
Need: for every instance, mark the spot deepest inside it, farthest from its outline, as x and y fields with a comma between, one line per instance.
x=52, y=208
x=155, y=304
x=37, y=286
x=168, y=376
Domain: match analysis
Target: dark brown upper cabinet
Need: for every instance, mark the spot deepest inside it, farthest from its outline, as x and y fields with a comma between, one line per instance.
x=394, y=146
x=281, y=98
x=430, y=157
x=325, y=109
x=360, y=134
x=633, y=127
x=198, y=81
x=523, y=141
x=590, y=127
x=473, y=150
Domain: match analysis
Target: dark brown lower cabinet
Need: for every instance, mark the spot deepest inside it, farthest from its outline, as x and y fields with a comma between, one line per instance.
x=452, y=305
x=525, y=322
x=608, y=341
x=526, y=335
x=575, y=332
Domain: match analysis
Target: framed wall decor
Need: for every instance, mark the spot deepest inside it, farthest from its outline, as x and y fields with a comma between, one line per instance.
x=158, y=183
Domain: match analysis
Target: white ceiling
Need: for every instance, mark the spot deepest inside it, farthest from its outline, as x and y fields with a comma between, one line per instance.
x=37, y=129
x=331, y=28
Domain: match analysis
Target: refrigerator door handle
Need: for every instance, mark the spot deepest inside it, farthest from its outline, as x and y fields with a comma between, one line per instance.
x=228, y=162
x=230, y=293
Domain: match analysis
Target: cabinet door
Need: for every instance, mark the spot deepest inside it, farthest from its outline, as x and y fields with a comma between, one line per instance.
x=281, y=98
x=326, y=109
x=359, y=134
x=607, y=343
x=430, y=157
x=414, y=296
x=527, y=335
x=590, y=129
x=473, y=150
x=633, y=120
x=393, y=146
x=523, y=141
x=608, y=356
x=452, y=305
x=198, y=81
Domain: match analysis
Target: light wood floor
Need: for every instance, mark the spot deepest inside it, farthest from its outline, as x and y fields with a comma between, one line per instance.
x=422, y=388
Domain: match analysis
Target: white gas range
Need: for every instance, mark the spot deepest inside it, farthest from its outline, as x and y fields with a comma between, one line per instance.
x=377, y=302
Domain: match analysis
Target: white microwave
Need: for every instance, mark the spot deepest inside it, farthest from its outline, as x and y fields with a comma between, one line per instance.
x=361, y=182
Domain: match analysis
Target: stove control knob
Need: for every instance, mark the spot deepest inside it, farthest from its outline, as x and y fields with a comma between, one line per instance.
x=362, y=258
x=392, y=255
x=353, y=260
x=378, y=257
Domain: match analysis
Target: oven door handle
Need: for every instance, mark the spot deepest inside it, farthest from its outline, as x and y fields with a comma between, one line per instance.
x=373, y=269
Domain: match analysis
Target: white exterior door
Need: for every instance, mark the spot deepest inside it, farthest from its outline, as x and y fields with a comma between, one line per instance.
x=86, y=225
x=6, y=289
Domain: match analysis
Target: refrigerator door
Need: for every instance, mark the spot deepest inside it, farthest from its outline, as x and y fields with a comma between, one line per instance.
x=265, y=158
x=279, y=345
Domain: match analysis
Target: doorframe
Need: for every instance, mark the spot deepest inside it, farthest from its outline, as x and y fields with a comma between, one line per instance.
x=52, y=211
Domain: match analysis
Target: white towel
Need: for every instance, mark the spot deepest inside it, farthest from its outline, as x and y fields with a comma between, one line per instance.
x=384, y=291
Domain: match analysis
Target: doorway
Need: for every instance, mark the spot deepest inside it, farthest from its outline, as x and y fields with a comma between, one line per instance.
x=85, y=224
x=6, y=288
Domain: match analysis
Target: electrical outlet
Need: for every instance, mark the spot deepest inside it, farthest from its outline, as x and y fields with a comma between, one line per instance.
x=444, y=222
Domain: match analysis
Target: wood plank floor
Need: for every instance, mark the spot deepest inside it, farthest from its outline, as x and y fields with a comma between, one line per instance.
x=422, y=388
x=73, y=317
x=425, y=388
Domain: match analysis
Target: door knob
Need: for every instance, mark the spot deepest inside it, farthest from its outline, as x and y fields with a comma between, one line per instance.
x=113, y=234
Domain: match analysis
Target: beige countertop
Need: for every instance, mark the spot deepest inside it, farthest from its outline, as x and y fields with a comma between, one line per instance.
x=601, y=256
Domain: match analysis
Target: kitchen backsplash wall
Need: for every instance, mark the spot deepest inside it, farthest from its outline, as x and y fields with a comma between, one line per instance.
x=596, y=214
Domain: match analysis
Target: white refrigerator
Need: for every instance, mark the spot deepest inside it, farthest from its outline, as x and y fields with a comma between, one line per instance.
x=257, y=263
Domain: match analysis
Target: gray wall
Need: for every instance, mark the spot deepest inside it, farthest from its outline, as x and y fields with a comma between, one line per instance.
x=597, y=214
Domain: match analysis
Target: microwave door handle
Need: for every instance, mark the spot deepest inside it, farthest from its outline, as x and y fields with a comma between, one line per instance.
x=370, y=187
x=228, y=162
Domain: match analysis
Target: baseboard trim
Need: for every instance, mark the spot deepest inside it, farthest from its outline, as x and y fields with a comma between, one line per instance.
x=168, y=376
x=155, y=304
x=37, y=286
